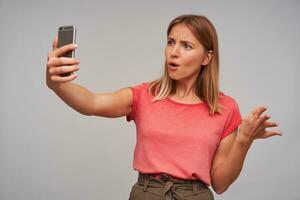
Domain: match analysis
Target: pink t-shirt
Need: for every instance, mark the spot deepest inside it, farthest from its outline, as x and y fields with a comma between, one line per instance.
x=176, y=138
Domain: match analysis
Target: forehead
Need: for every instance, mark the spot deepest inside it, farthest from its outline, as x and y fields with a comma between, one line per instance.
x=182, y=32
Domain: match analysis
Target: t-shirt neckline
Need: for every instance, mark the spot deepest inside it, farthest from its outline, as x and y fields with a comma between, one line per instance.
x=184, y=104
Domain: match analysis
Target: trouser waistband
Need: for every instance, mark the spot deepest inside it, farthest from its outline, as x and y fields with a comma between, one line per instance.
x=169, y=184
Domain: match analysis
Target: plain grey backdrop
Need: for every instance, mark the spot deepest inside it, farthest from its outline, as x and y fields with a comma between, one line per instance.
x=49, y=151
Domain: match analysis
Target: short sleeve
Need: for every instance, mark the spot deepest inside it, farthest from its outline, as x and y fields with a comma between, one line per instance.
x=234, y=119
x=137, y=91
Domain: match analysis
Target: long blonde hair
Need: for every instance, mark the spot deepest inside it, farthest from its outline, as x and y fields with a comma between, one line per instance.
x=207, y=83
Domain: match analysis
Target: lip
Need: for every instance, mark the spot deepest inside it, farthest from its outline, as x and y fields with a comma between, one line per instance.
x=173, y=63
x=172, y=68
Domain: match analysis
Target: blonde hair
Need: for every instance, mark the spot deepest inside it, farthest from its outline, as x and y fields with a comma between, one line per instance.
x=207, y=83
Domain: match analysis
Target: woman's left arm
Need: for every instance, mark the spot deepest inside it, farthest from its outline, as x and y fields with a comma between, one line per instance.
x=230, y=155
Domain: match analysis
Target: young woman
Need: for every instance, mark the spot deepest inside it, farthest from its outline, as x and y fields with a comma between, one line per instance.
x=190, y=135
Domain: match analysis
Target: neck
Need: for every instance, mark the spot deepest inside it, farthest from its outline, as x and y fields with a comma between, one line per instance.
x=185, y=89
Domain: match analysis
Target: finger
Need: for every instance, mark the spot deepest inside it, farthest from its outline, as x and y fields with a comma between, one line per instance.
x=271, y=133
x=254, y=111
x=270, y=124
x=56, y=62
x=63, y=69
x=62, y=79
x=54, y=44
x=64, y=49
x=263, y=119
x=259, y=110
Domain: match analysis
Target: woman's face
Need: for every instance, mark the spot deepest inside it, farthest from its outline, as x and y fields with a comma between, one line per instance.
x=184, y=54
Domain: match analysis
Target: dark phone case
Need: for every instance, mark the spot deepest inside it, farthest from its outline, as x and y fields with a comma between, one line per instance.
x=67, y=35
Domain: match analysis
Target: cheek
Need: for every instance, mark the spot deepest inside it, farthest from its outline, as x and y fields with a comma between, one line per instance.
x=193, y=60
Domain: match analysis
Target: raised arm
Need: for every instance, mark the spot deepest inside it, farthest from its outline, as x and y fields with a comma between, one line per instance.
x=230, y=155
x=115, y=104
x=79, y=98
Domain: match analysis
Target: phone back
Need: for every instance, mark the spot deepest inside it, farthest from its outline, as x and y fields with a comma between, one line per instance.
x=67, y=35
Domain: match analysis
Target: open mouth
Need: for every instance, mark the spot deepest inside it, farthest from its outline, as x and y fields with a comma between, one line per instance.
x=172, y=64
x=173, y=67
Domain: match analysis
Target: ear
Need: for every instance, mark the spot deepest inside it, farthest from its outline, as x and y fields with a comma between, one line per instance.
x=208, y=58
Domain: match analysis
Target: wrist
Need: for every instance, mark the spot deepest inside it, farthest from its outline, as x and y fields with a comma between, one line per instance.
x=243, y=140
x=54, y=86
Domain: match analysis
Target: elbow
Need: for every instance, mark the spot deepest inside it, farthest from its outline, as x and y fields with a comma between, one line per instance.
x=88, y=111
x=85, y=112
x=219, y=189
x=86, y=107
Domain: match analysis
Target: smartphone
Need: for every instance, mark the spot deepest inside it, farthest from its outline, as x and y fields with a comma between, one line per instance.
x=67, y=35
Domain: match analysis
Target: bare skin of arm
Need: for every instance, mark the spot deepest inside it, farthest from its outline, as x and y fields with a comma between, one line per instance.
x=230, y=155
x=115, y=104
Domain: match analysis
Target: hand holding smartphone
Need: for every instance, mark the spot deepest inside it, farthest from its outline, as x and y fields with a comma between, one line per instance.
x=67, y=35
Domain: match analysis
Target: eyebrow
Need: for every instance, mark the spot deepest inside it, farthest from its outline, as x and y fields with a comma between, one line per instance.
x=182, y=41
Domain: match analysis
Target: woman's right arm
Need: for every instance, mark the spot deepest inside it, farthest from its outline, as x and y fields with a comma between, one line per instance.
x=114, y=104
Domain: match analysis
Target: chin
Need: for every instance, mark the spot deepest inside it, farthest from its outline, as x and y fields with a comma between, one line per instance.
x=173, y=77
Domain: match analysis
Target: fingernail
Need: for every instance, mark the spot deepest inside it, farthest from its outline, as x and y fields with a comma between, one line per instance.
x=75, y=45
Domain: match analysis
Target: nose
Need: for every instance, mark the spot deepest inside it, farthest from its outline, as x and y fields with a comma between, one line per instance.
x=174, y=51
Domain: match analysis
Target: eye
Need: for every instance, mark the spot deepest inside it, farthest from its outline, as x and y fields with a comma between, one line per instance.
x=170, y=42
x=187, y=46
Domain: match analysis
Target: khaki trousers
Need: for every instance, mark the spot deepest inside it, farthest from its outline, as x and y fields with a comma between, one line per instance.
x=166, y=187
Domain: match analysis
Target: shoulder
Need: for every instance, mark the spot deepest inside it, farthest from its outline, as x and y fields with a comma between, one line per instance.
x=139, y=87
x=227, y=100
x=143, y=85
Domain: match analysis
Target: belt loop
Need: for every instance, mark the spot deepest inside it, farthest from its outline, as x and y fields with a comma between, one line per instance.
x=195, y=187
x=146, y=185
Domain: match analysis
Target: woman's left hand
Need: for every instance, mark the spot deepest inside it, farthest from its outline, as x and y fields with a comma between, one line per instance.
x=254, y=126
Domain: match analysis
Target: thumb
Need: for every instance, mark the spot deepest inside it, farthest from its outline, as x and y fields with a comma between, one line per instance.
x=271, y=133
x=54, y=44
